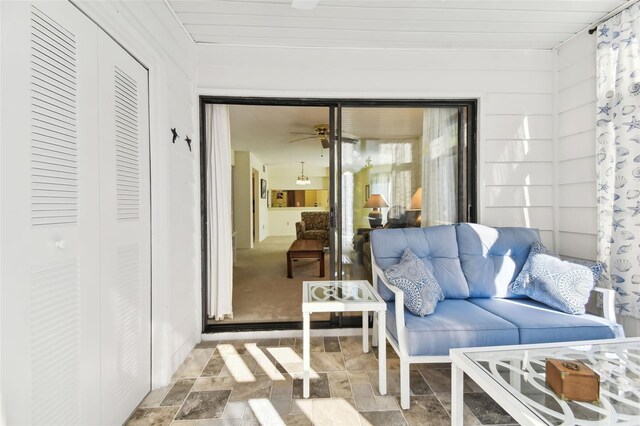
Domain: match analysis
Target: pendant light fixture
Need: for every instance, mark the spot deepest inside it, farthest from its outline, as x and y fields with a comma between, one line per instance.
x=302, y=179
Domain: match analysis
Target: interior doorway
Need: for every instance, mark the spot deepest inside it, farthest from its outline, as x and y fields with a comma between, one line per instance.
x=359, y=156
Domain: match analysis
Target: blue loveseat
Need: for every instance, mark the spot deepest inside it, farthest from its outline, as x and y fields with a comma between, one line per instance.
x=474, y=265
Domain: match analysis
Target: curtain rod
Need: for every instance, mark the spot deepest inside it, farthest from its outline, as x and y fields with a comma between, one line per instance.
x=612, y=13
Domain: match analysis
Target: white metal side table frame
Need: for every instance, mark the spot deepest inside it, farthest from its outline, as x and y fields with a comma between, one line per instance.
x=343, y=296
x=520, y=359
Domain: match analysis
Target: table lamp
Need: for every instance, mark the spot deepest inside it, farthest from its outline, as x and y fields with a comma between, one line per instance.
x=375, y=202
x=414, y=213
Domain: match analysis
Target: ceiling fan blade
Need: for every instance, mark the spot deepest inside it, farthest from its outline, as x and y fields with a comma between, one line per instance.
x=304, y=4
x=302, y=133
x=324, y=142
x=303, y=139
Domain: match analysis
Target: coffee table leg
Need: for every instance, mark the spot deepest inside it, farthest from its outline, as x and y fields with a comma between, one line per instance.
x=321, y=264
x=289, y=266
x=306, y=361
x=457, y=383
x=382, y=352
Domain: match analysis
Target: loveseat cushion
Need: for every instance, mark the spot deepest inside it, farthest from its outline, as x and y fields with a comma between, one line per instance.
x=454, y=324
x=435, y=246
x=421, y=290
x=563, y=285
x=491, y=258
x=538, y=323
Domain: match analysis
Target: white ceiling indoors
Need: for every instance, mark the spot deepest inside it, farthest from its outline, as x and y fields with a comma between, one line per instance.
x=406, y=24
x=266, y=131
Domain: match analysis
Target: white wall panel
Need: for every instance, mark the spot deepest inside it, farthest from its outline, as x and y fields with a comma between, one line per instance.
x=579, y=93
x=518, y=103
x=577, y=145
x=581, y=220
x=577, y=50
x=547, y=238
x=578, y=245
x=531, y=217
x=518, y=127
x=575, y=165
x=580, y=70
x=576, y=120
x=518, y=173
x=519, y=196
x=507, y=151
x=579, y=170
x=514, y=89
x=577, y=195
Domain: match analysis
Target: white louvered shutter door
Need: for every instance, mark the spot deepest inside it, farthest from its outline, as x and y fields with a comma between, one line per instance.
x=49, y=215
x=125, y=230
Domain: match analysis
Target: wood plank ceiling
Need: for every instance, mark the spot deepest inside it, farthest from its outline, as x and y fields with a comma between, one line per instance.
x=399, y=24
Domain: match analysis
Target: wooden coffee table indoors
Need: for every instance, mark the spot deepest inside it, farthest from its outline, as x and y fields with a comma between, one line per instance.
x=305, y=249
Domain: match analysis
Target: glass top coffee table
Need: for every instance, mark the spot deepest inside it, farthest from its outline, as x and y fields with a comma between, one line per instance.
x=514, y=376
x=343, y=296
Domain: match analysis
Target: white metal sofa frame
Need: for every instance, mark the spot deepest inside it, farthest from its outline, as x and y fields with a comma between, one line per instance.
x=400, y=345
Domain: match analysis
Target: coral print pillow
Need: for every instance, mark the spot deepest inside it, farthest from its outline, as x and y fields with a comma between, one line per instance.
x=562, y=285
x=421, y=290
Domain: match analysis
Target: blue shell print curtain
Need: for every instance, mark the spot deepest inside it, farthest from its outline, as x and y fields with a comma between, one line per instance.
x=618, y=156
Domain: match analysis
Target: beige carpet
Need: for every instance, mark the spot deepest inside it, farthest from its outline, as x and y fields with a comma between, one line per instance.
x=261, y=290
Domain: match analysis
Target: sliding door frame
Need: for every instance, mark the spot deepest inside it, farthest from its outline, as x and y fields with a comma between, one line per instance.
x=333, y=104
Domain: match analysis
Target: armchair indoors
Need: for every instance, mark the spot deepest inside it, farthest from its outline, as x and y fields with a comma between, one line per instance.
x=396, y=218
x=313, y=226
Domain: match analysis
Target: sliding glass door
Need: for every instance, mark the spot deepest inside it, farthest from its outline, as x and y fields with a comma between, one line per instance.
x=384, y=165
x=399, y=167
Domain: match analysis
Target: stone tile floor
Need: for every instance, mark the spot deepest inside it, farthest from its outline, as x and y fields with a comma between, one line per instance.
x=258, y=383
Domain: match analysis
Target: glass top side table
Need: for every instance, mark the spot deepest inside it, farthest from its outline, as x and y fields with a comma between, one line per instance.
x=343, y=296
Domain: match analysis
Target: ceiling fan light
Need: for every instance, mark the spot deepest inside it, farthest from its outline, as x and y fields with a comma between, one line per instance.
x=302, y=179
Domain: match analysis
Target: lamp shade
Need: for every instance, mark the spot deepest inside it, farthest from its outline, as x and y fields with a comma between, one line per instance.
x=376, y=201
x=416, y=199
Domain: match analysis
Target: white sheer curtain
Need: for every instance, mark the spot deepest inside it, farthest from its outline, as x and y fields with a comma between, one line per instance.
x=381, y=184
x=393, y=179
x=219, y=245
x=440, y=166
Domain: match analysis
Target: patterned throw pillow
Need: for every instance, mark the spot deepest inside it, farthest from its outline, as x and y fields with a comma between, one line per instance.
x=562, y=285
x=421, y=290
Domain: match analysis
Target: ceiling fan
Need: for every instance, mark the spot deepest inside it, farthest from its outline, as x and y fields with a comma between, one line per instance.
x=322, y=133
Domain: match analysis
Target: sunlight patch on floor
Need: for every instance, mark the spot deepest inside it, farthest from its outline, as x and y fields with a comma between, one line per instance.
x=264, y=362
x=265, y=412
x=235, y=364
x=291, y=361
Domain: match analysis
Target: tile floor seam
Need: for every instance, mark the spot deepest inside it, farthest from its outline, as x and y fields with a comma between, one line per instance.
x=427, y=382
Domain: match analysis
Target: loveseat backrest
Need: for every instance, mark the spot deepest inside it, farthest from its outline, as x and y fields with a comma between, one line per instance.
x=437, y=247
x=491, y=258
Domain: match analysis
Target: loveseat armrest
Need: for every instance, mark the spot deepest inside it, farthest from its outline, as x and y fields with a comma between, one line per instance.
x=379, y=278
x=300, y=228
x=608, y=302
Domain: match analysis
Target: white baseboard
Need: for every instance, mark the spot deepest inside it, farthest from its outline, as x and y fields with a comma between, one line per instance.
x=278, y=334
